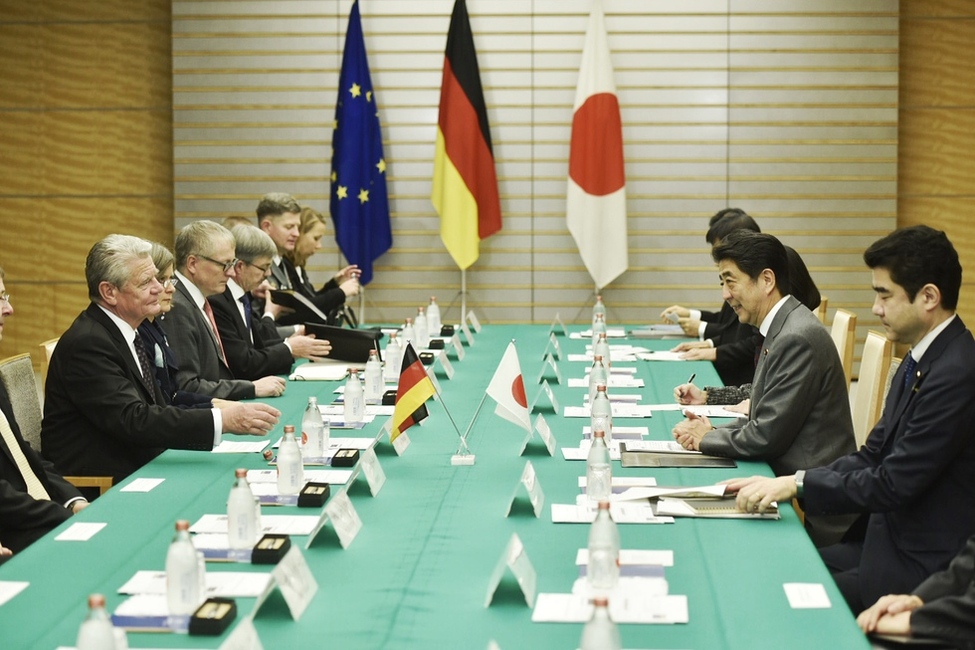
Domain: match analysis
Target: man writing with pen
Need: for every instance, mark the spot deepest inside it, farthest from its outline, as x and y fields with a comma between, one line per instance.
x=800, y=410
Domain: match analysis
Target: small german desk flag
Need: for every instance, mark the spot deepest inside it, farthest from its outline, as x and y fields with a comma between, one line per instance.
x=465, y=184
x=415, y=388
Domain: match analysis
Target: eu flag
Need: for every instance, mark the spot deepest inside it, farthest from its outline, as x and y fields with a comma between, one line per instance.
x=359, y=204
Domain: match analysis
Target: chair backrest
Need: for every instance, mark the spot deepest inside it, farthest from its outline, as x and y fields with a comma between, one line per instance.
x=844, y=337
x=872, y=384
x=48, y=348
x=895, y=363
x=821, y=311
x=17, y=375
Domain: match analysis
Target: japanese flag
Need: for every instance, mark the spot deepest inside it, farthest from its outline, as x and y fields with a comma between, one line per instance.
x=507, y=388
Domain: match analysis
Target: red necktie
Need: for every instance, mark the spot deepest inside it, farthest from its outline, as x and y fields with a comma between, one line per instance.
x=213, y=323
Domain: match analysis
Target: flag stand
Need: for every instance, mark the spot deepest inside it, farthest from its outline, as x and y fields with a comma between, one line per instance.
x=464, y=456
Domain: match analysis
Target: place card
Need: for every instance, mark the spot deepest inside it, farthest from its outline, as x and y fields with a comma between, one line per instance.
x=295, y=579
x=529, y=480
x=549, y=363
x=514, y=561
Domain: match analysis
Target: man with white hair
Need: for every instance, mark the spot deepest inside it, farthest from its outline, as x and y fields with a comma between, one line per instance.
x=104, y=413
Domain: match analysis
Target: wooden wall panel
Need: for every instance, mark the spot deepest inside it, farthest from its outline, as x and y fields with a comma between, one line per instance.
x=86, y=126
x=936, y=169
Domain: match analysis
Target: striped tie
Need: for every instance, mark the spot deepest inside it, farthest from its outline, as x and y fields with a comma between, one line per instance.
x=34, y=486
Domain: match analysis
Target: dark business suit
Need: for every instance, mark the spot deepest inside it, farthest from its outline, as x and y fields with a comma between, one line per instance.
x=201, y=370
x=949, y=601
x=99, y=418
x=24, y=519
x=248, y=360
x=915, y=476
x=164, y=364
x=329, y=299
x=800, y=410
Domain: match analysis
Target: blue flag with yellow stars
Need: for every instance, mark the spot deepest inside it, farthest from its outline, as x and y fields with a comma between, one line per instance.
x=359, y=205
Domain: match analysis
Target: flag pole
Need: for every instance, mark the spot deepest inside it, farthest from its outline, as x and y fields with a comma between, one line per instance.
x=463, y=295
x=463, y=455
x=362, y=304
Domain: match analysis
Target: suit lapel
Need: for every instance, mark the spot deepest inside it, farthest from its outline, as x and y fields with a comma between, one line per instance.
x=279, y=278
x=198, y=313
x=122, y=346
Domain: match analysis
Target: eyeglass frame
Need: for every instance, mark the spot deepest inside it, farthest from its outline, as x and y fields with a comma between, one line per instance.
x=5, y=297
x=227, y=266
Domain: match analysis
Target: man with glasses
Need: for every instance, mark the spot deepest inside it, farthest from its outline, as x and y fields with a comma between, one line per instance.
x=205, y=261
x=254, y=349
x=104, y=414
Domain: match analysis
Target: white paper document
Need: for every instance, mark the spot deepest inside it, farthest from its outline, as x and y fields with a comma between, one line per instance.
x=659, y=447
x=660, y=355
x=623, y=513
x=240, y=447
x=10, y=588
x=623, y=432
x=323, y=371
x=709, y=410
x=614, y=381
x=224, y=584
x=620, y=410
x=633, y=556
x=276, y=524
x=577, y=608
x=625, y=482
x=806, y=595
x=611, y=333
x=80, y=532
x=270, y=476
x=650, y=492
x=582, y=452
x=142, y=485
x=616, y=356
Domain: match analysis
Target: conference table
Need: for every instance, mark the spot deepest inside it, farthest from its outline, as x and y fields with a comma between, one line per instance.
x=417, y=574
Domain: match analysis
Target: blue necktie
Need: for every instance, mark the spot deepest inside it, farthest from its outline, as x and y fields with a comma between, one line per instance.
x=246, y=301
x=909, y=365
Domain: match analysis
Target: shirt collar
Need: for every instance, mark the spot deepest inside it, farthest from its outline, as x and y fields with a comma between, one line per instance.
x=918, y=350
x=235, y=289
x=767, y=321
x=127, y=332
x=193, y=290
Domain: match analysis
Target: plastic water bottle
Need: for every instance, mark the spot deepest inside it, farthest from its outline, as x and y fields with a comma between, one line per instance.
x=241, y=514
x=291, y=470
x=394, y=358
x=599, y=469
x=601, y=413
x=408, y=335
x=96, y=631
x=598, y=308
x=353, y=407
x=374, y=384
x=433, y=317
x=598, y=375
x=183, y=594
x=600, y=633
x=603, y=571
x=601, y=347
x=421, y=329
x=598, y=327
x=313, y=444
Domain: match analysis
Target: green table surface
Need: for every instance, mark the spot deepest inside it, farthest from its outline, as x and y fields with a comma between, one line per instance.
x=417, y=574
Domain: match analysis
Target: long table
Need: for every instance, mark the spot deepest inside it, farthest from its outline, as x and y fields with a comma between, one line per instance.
x=417, y=574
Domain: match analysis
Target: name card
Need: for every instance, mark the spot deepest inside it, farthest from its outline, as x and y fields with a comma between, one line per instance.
x=553, y=345
x=436, y=384
x=375, y=476
x=345, y=520
x=548, y=364
x=297, y=584
x=444, y=362
x=529, y=480
x=557, y=326
x=545, y=390
x=243, y=637
x=467, y=333
x=458, y=347
x=472, y=319
x=545, y=433
x=514, y=561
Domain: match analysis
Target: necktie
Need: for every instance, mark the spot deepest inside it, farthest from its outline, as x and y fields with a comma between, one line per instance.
x=909, y=366
x=208, y=310
x=148, y=376
x=245, y=300
x=286, y=283
x=34, y=486
x=758, y=349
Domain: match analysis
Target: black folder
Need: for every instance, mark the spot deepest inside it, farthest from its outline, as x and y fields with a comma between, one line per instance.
x=347, y=345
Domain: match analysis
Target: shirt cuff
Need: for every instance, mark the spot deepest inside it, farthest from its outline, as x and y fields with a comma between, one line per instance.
x=71, y=502
x=217, y=426
x=700, y=329
x=694, y=313
x=289, y=347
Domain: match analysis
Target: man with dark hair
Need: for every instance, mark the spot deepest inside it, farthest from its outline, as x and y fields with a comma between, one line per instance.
x=913, y=481
x=34, y=498
x=279, y=215
x=105, y=415
x=800, y=410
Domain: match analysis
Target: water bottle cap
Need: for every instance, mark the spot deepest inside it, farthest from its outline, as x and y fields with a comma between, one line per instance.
x=240, y=472
x=312, y=400
x=602, y=335
x=600, y=387
x=599, y=434
x=373, y=353
x=604, y=505
x=601, y=602
x=96, y=600
x=433, y=299
x=353, y=372
x=419, y=310
x=597, y=357
x=182, y=524
x=392, y=335
x=409, y=321
x=289, y=428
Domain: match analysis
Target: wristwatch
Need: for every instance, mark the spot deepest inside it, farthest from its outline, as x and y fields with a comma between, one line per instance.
x=800, y=476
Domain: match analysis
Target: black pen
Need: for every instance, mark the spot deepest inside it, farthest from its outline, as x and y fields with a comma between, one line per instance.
x=689, y=381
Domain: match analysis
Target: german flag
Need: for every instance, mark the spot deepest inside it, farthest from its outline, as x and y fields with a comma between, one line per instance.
x=414, y=389
x=465, y=185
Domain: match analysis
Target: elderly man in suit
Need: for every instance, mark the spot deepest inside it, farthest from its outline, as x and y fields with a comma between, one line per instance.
x=205, y=261
x=34, y=498
x=104, y=413
x=254, y=349
x=800, y=410
x=913, y=481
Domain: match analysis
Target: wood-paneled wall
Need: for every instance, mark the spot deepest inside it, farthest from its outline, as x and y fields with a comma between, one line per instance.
x=936, y=157
x=86, y=136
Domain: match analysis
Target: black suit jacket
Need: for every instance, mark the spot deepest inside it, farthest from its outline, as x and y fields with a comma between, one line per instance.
x=329, y=299
x=164, y=363
x=949, y=601
x=915, y=474
x=265, y=356
x=23, y=518
x=99, y=418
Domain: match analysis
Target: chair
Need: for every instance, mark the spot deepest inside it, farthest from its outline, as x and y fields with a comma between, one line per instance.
x=844, y=337
x=17, y=375
x=872, y=384
x=821, y=310
x=895, y=363
x=48, y=348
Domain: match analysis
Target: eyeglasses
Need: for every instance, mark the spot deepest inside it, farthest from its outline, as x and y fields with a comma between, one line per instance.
x=170, y=283
x=5, y=297
x=227, y=266
x=264, y=269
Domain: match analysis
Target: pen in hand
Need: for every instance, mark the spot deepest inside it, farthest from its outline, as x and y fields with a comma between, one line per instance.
x=690, y=380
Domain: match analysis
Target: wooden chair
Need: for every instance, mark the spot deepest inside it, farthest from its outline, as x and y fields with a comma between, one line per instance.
x=872, y=384
x=821, y=311
x=895, y=363
x=17, y=375
x=844, y=337
x=48, y=348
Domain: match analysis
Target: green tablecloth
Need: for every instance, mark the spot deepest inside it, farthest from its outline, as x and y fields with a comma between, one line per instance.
x=417, y=574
